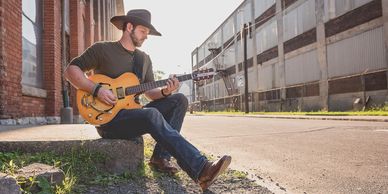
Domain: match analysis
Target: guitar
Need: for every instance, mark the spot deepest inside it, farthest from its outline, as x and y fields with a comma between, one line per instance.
x=126, y=87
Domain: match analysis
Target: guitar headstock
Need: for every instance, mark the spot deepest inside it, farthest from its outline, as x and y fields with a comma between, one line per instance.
x=203, y=74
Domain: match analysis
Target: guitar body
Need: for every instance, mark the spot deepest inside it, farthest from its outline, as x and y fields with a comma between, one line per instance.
x=96, y=112
x=125, y=88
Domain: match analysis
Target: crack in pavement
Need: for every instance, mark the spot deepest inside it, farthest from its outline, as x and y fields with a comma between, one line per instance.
x=278, y=133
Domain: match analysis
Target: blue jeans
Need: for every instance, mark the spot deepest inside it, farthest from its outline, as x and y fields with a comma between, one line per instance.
x=162, y=119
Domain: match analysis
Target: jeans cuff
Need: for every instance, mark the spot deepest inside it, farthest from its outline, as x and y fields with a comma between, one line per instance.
x=199, y=172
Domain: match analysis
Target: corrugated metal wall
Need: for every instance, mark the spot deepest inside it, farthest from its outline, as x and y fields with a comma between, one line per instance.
x=252, y=80
x=240, y=50
x=266, y=77
x=229, y=57
x=302, y=68
x=351, y=56
x=364, y=52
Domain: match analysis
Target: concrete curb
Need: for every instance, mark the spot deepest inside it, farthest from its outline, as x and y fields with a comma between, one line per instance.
x=122, y=155
x=339, y=118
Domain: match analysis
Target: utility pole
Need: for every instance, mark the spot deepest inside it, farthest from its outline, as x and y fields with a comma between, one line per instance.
x=245, y=32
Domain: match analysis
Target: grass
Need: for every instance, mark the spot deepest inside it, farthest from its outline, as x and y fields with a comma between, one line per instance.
x=383, y=111
x=82, y=170
x=78, y=166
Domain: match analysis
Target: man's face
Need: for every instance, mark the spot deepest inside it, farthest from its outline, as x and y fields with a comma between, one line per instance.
x=139, y=34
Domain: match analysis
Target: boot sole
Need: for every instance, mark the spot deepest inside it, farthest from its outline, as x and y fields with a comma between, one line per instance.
x=155, y=167
x=227, y=160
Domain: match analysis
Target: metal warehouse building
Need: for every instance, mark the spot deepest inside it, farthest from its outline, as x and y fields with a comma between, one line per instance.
x=303, y=55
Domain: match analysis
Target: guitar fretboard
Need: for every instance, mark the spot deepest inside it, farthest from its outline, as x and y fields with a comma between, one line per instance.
x=151, y=85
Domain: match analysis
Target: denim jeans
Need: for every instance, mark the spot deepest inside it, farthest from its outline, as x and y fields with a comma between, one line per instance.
x=162, y=119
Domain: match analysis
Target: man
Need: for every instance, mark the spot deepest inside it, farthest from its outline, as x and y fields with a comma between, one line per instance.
x=162, y=118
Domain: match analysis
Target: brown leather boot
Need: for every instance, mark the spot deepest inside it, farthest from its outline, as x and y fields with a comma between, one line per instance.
x=211, y=171
x=163, y=165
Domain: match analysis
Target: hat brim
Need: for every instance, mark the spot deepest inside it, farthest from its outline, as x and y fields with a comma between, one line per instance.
x=119, y=21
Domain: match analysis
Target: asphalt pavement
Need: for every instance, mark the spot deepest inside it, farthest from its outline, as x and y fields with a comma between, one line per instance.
x=299, y=155
x=287, y=154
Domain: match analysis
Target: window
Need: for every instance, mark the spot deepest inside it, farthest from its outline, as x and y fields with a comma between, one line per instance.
x=243, y=16
x=32, y=71
x=67, y=16
x=228, y=30
x=335, y=8
x=299, y=20
x=201, y=55
x=262, y=5
x=194, y=59
x=267, y=36
x=229, y=56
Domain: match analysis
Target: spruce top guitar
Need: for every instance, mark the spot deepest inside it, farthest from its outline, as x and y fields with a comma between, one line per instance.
x=125, y=88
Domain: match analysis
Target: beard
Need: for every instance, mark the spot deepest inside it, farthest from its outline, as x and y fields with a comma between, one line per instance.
x=137, y=42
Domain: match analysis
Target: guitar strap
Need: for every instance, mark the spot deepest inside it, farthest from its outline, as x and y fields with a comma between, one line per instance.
x=138, y=61
x=138, y=64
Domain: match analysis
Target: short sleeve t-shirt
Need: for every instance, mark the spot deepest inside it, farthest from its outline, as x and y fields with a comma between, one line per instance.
x=112, y=59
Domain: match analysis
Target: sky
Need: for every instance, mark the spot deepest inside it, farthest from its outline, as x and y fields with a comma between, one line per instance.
x=184, y=24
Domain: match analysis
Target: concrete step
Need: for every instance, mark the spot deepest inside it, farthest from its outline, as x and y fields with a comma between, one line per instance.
x=121, y=155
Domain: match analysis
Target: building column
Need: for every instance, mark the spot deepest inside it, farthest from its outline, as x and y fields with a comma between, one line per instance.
x=281, y=59
x=255, y=102
x=322, y=54
x=52, y=56
x=385, y=20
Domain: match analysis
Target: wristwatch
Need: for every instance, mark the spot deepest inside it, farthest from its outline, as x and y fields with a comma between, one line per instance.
x=163, y=94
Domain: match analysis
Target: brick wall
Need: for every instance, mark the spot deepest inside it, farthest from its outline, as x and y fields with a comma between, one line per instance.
x=2, y=67
x=11, y=58
x=13, y=103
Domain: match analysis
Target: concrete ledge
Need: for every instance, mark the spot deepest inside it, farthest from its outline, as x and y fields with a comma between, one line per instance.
x=33, y=91
x=122, y=155
x=31, y=121
x=318, y=117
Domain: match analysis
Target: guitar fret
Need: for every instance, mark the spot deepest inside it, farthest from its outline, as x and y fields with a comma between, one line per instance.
x=151, y=85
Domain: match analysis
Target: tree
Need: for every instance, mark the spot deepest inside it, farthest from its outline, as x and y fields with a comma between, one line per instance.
x=158, y=74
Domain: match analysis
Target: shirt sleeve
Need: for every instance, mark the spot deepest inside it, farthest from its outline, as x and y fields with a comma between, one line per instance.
x=89, y=59
x=149, y=76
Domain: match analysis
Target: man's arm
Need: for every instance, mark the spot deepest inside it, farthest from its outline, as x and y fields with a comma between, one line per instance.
x=78, y=79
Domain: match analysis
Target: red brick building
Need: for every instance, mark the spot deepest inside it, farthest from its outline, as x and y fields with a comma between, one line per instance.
x=37, y=40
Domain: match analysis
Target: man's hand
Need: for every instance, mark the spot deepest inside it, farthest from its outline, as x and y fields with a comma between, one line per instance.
x=106, y=96
x=171, y=85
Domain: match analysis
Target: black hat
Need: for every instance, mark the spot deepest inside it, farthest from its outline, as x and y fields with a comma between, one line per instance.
x=137, y=17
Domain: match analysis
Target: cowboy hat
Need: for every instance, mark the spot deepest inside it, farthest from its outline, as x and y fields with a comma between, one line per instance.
x=137, y=17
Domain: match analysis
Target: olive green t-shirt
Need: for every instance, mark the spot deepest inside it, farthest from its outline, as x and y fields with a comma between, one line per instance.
x=112, y=59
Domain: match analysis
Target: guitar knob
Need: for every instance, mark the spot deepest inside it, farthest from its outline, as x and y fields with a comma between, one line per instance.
x=100, y=118
x=90, y=115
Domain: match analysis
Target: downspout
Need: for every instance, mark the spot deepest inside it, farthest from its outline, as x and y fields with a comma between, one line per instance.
x=66, y=111
x=65, y=93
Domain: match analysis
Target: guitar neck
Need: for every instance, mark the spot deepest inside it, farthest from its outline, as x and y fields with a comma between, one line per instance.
x=151, y=85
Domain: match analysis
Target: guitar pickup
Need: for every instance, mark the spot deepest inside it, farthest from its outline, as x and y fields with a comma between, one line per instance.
x=120, y=93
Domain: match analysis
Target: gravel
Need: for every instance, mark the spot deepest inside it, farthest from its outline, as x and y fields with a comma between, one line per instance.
x=227, y=183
